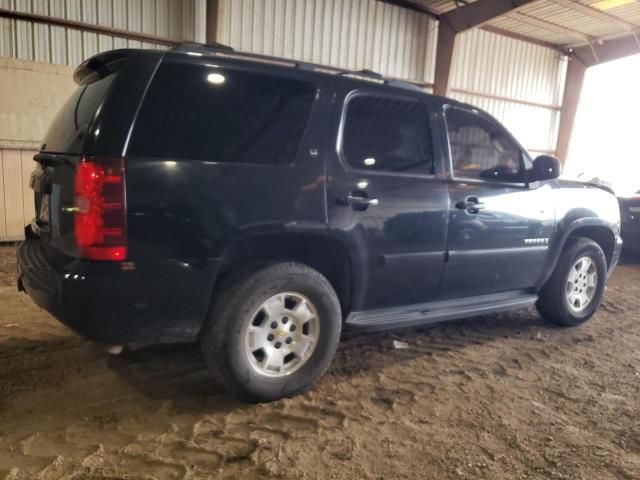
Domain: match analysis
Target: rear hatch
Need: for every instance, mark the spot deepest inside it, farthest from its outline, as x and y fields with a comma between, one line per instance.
x=80, y=199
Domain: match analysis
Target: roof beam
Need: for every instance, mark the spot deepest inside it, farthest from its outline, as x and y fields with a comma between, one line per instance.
x=416, y=7
x=551, y=27
x=595, y=13
x=570, y=100
x=479, y=12
x=608, y=50
x=444, y=57
x=459, y=20
x=523, y=38
x=213, y=13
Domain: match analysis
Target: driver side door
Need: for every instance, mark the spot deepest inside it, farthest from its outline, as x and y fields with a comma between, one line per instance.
x=499, y=228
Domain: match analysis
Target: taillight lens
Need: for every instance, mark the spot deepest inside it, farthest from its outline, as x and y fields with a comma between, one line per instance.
x=100, y=219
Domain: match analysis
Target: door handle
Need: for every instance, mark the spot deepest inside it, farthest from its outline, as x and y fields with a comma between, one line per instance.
x=357, y=200
x=470, y=204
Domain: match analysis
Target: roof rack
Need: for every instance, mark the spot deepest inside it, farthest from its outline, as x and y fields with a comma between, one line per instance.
x=192, y=47
x=226, y=51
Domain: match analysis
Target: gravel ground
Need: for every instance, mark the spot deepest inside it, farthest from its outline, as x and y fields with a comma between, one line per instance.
x=494, y=397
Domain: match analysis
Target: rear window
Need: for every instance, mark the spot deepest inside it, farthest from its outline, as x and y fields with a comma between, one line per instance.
x=206, y=113
x=73, y=121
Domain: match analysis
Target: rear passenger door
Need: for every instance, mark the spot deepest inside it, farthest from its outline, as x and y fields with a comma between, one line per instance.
x=499, y=228
x=384, y=198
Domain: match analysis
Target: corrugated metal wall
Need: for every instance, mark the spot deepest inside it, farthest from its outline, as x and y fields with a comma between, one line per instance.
x=519, y=83
x=351, y=34
x=16, y=198
x=176, y=19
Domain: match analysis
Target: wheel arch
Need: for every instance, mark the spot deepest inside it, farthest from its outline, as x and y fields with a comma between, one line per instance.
x=320, y=251
x=600, y=231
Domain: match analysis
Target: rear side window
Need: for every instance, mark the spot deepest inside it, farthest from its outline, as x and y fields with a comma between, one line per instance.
x=203, y=113
x=387, y=134
x=72, y=123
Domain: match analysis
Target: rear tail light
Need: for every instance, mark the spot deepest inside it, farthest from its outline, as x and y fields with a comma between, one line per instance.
x=100, y=218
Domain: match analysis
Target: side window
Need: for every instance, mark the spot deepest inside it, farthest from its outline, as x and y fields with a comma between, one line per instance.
x=387, y=134
x=197, y=112
x=481, y=149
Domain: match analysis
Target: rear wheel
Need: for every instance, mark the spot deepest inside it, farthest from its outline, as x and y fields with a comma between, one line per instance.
x=574, y=291
x=273, y=331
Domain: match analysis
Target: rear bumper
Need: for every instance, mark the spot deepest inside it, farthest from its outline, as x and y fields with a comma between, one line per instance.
x=118, y=302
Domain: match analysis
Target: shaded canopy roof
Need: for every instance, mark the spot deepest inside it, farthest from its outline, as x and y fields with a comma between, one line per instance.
x=594, y=30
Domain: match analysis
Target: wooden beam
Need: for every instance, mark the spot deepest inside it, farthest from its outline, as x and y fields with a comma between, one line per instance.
x=572, y=90
x=212, y=21
x=595, y=13
x=608, y=50
x=479, y=12
x=444, y=57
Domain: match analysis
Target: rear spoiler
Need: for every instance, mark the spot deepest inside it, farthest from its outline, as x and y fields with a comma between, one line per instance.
x=101, y=65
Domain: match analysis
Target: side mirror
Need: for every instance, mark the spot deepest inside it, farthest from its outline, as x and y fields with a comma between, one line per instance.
x=545, y=167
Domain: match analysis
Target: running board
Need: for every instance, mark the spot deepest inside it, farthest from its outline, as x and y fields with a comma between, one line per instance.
x=424, y=313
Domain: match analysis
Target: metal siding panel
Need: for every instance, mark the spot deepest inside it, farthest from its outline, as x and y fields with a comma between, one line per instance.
x=7, y=32
x=24, y=32
x=351, y=34
x=3, y=207
x=175, y=19
x=60, y=45
x=89, y=14
x=297, y=28
x=134, y=21
x=431, y=50
x=327, y=32
x=162, y=18
x=199, y=17
x=490, y=64
x=13, y=194
x=58, y=35
x=148, y=16
x=74, y=37
x=105, y=18
x=41, y=36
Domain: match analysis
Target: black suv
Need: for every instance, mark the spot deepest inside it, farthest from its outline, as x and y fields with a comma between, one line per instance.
x=261, y=206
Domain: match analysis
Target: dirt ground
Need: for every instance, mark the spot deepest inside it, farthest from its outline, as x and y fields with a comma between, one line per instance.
x=495, y=397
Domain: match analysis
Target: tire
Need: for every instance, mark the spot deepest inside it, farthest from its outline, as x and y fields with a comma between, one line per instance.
x=554, y=302
x=240, y=319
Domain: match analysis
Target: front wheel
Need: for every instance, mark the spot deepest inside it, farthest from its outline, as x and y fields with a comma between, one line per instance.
x=574, y=291
x=273, y=331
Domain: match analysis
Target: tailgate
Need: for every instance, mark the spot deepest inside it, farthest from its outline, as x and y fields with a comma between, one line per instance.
x=77, y=122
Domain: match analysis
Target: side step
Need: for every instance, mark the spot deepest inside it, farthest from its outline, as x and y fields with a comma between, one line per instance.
x=425, y=313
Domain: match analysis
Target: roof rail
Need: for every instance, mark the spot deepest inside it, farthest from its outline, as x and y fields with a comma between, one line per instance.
x=365, y=72
x=404, y=84
x=222, y=50
x=201, y=47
